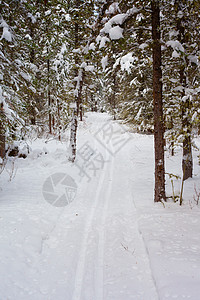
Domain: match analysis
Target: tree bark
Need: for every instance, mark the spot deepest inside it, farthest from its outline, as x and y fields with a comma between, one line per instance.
x=49, y=96
x=74, y=121
x=73, y=133
x=2, y=134
x=158, y=106
x=81, y=112
x=80, y=100
x=187, y=161
x=113, y=97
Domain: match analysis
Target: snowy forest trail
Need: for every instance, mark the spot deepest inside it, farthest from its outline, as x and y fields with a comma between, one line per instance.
x=111, y=242
x=112, y=256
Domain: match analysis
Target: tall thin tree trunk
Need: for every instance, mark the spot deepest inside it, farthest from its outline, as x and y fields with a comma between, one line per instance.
x=80, y=96
x=158, y=106
x=32, y=60
x=74, y=121
x=171, y=125
x=48, y=75
x=187, y=161
x=49, y=97
x=2, y=133
x=81, y=112
x=73, y=133
x=114, y=96
x=2, y=142
x=59, y=123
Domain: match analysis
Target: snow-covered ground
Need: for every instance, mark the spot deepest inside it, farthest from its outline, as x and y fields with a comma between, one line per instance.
x=111, y=242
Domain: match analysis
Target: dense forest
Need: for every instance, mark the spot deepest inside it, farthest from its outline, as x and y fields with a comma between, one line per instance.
x=138, y=60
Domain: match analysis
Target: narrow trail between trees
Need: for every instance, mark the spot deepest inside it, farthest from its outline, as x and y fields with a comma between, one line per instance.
x=81, y=265
x=113, y=262
x=92, y=248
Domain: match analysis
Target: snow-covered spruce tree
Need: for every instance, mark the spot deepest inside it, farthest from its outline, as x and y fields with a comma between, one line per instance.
x=2, y=127
x=133, y=55
x=114, y=26
x=184, y=37
x=52, y=64
x=93, y=83
x=158, y=105
x=13, y=73
x=110, y=50
x=111, y=78
x=81, y=18
x=181, y=79
x=136, y=97
x=37, y=62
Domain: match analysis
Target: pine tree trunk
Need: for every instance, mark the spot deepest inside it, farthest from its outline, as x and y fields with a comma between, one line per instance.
x=74, y=122
x=32, y=60
x=171, y=125
x=95, y=106
x=114, y=96
x=158, y=106
x=49, y=97
x=2, y=143
x=80, y=103
x=2, y=134
x=73, y=133
x=59, y=123
x=81, y=112
x=187, y=161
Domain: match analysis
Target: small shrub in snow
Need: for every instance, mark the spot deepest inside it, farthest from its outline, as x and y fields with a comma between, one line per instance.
x=196, y=195
x=19, y=148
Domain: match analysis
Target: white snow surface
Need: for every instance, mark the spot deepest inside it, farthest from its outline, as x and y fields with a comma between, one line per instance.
x=125, y=61
x=113, y=8
x=111, y=242
x=92, y=46
x=6, y=34
x=115, y=33
x=103, y=41
x=176, y=45
x=104, y=62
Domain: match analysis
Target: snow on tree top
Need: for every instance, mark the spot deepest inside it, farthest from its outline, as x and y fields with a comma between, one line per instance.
x=176, y=45
x=104, y=39
x=113, y=8
x=67, y=17
x=92, y=46
x=6, y=33
x=125, y=62
x=118, y=19
x=104, y=62
x=115, y=33
x=33, y=19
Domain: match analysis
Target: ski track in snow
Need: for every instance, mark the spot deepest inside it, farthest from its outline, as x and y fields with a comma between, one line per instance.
x=147, y=253
x=140, y=236
x=80, y=272
x=103, y=198
x=100, y=263
x=81, y=262
x=111, y=243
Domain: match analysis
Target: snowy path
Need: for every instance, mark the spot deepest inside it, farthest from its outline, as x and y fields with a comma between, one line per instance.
x=111, y=242
x=114, y=270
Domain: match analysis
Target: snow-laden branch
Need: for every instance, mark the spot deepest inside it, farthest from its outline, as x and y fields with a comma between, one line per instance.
x=114, y=26
x=6, y=31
